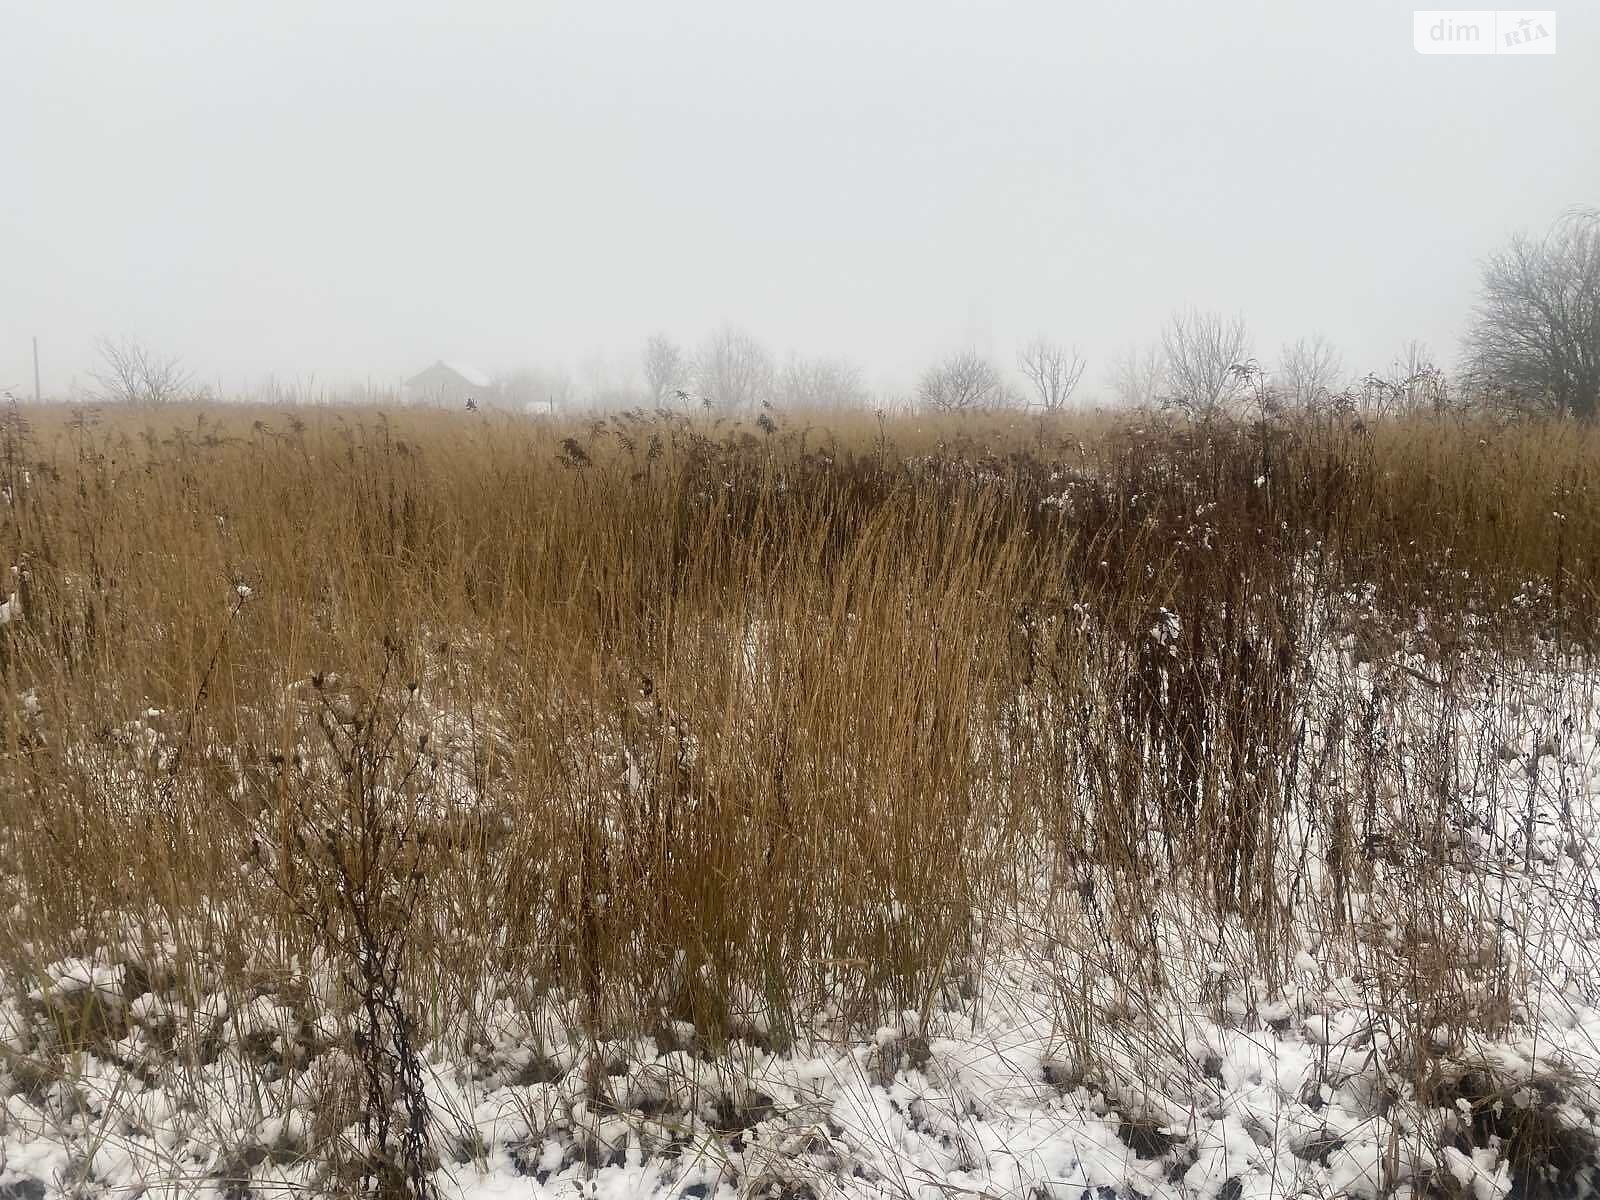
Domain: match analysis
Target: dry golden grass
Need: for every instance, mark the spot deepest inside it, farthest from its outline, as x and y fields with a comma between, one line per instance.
x=681, y=718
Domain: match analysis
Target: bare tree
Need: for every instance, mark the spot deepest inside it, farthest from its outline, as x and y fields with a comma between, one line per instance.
x=1204, y=354
x=133, y=374
x=1417, y=379
x=1411, y=385
x=665, y=370
x=820, y=383
x=962, y=382
x=1536, y=336
x=733, y=369
x=1309, y=371
x=1138, y=377
x=1053, y=370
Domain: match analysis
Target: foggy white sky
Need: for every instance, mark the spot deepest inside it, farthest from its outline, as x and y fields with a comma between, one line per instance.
x=361, y=188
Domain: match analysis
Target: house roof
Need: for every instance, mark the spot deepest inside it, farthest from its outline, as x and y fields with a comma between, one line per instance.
x=471, y=375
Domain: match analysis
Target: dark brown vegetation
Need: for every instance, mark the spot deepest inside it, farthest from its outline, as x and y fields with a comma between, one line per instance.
x=681, y=718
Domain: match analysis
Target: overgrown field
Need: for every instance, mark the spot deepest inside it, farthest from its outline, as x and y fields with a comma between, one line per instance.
x=671, y=805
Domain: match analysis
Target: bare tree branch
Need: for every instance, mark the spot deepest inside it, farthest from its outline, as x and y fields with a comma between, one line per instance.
x=1412, y=384
x=665, y=370
x=1536, y=339
x=733, y=369
x=1138, y=377
x=132, y=374
x=1204, y=353
x=962, y=382
x=1053, y=370
x=1309, y=371
x=820, y=383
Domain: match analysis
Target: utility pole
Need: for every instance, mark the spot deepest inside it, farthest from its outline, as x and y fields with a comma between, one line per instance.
x=36, y=370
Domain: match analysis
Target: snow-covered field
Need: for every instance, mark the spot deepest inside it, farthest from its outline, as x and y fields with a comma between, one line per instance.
x=663, y=807
x=1199, y=1059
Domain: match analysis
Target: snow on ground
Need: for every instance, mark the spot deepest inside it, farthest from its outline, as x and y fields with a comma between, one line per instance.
x=1297, y=1095
x=1225, y=1078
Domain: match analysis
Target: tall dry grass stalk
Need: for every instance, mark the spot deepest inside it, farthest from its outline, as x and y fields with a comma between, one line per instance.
x=752, y=726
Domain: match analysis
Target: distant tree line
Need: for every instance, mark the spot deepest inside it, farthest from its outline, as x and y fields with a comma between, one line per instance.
x=1533, y=347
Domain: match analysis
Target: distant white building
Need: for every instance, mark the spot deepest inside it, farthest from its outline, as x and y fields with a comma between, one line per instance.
x=449, y=385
